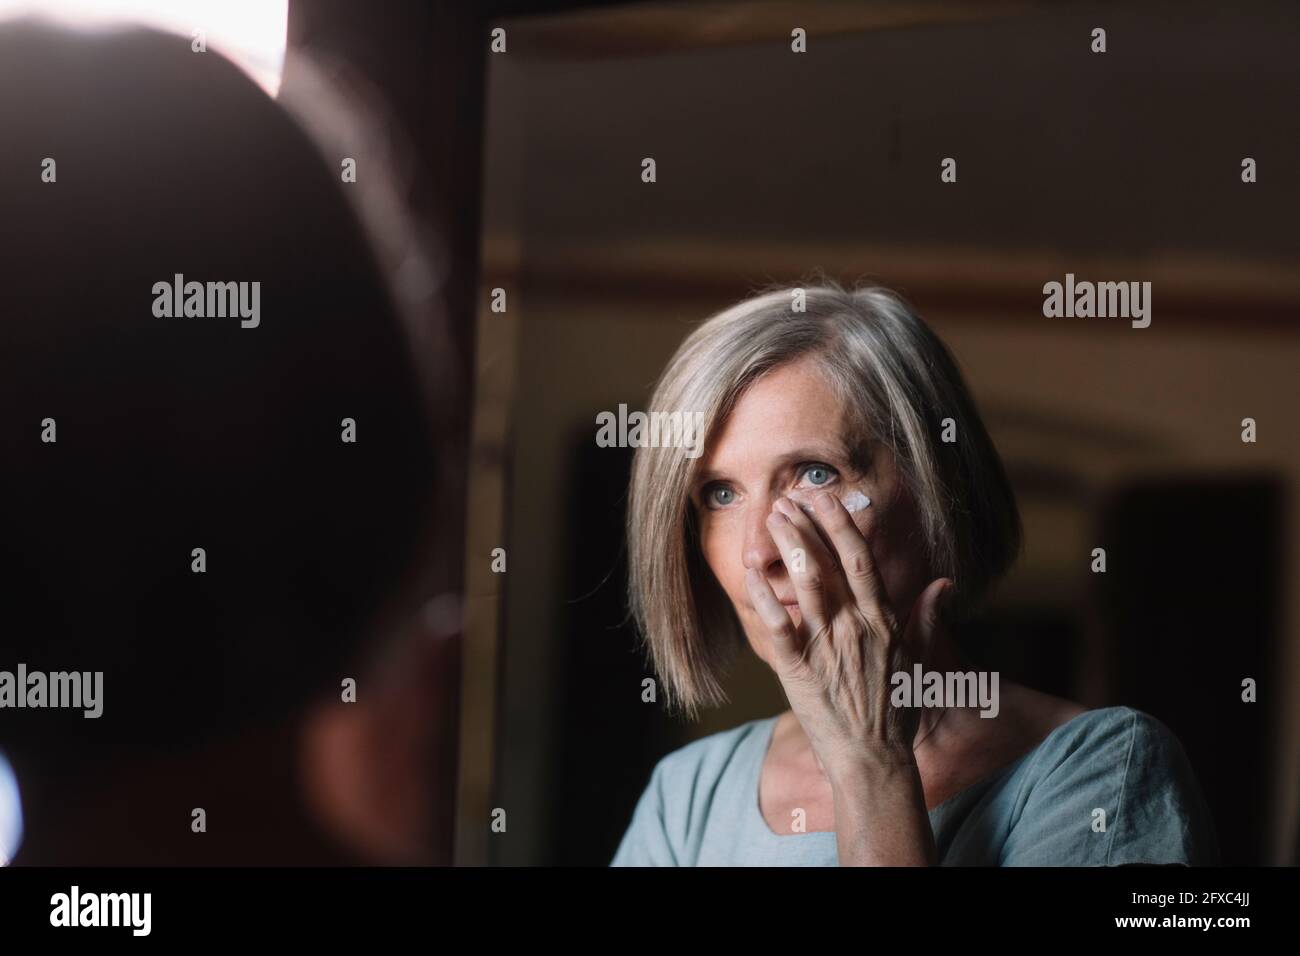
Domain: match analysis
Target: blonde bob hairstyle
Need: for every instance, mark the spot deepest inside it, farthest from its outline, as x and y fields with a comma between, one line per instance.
x=898, y=384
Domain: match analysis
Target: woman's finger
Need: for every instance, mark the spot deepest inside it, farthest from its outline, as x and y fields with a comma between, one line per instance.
x=854, y=554
x=815, y=542
x=926, y=618
x=806, y=574
x=786, y=644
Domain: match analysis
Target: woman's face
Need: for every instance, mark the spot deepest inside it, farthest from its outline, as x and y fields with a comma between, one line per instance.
x=787, y=436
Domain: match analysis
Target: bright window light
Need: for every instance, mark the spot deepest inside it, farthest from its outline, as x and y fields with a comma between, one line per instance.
x=11, y=814
x=250, y=32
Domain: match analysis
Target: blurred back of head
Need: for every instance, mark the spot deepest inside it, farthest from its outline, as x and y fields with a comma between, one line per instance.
x=176, y=433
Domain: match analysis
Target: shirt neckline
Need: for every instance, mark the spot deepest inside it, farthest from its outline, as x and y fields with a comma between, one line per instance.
x=765, y=737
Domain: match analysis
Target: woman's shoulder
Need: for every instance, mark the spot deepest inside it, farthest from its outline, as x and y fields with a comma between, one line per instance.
x=1047, y=725
x=693, y=786
x=1107, y=743
x=1085, y=730
x=1120, y=781
x=713, y=754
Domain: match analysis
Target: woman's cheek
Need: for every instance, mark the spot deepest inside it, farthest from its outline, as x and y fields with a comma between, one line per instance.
x=875, y=525
x=869, y=519
x=897, y=558
x=715, y=547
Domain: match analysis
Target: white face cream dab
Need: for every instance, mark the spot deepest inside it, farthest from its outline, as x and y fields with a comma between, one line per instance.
x=855, y=501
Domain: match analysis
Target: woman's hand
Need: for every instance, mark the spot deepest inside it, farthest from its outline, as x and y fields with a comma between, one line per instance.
x=836, y=667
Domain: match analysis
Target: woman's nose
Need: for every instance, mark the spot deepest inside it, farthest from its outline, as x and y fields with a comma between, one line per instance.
x=760, y=551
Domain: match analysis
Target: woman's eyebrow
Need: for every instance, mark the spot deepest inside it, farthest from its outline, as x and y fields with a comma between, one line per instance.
x=826, y=453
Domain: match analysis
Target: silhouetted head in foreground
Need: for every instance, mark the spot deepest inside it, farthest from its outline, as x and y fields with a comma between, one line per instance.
x=208, y=509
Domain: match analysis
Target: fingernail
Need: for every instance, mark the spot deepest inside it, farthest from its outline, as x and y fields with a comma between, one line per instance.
x=824, y=502
x=776, y=518
x=785, y=506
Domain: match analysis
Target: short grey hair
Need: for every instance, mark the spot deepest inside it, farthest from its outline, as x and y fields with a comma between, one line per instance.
x=897, y=382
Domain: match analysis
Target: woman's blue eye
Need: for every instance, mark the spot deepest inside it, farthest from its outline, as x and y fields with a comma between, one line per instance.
x=818, y=475
x=719, y=497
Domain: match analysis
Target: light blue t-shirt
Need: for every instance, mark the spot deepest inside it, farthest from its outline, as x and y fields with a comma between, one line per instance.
x=701, y=806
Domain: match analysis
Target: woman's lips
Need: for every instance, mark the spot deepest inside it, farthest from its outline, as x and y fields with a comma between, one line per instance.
x=789, y=599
